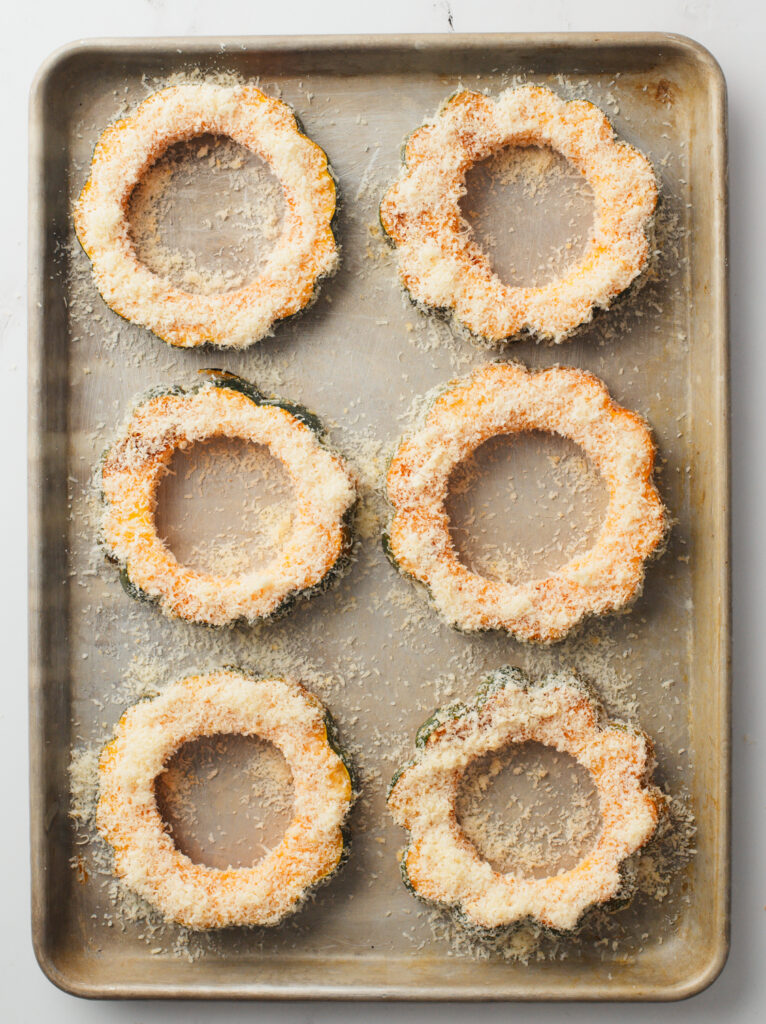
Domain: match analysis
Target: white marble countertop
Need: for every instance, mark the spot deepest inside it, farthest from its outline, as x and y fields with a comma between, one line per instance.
x=735, y=32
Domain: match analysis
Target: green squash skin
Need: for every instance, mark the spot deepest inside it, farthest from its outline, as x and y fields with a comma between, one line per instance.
x=339, y=203
x=507, y=675
x=224, y=379
x=385, y=542
x=386, y=237
x=497, y=680
x=398, y=774
x=309, y=419
x=132, y=590
x=406, y=878
x=328, y=166
x=626, y=894
x=333, y=739
x=444, y=714
x=388, y=551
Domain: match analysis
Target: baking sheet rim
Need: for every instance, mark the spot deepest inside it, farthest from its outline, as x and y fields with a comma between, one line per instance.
x=37, y=452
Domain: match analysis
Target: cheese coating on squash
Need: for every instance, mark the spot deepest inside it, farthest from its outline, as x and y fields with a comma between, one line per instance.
x=442, y=866
x=440, y=262
x=225, y=406
x=304, y=252
x=224, y=702
x=506, y=398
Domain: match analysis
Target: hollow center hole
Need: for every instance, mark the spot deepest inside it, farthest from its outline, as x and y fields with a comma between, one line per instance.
x=523, y=505
x=225, y=506
x=530, y=211
x=227, y=800
x=529, y=810
x=206, y=215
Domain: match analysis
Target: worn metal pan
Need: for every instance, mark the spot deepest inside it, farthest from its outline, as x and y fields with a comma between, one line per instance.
x=371, y=647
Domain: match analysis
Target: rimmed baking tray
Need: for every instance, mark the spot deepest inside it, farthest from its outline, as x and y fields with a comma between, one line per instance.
x=359, y=357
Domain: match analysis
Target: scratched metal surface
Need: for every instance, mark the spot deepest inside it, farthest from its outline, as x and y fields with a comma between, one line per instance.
x=370, y=646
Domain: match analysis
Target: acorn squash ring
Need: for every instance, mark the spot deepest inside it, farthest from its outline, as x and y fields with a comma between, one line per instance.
x=506, y=398
x=440, y=262
x=223, y=703
x=304, y=252
x=440, y=865
x=224, y=406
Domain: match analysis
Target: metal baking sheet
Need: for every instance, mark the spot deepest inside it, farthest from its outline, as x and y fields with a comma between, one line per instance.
x=371, y=647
